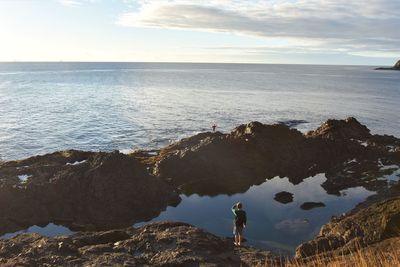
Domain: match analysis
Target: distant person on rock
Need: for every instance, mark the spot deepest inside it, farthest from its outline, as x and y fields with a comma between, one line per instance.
x=214, y=127
x=239, y=222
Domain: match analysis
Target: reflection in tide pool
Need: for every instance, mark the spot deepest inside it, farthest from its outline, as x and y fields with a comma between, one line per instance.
x=49, y=230
x=271, y=225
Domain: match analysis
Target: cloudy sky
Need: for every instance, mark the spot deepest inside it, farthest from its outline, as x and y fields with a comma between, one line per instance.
x=258, y=31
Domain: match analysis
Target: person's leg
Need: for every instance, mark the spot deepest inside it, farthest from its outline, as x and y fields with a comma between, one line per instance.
x=237, y=238
x=239, y=234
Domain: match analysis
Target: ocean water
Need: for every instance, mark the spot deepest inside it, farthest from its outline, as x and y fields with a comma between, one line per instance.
x=46, y=107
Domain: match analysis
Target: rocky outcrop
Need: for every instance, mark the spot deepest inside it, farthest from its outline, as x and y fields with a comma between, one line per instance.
x=216, y=163
x=395, y=67
x=96, y=190
x=156, y=244
x=284, y=197
x=312, y=205
x=81, y=190
x=362, y=227
x=341, y=130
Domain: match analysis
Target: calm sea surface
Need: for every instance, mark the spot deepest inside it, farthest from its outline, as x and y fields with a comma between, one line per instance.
x=45, y=107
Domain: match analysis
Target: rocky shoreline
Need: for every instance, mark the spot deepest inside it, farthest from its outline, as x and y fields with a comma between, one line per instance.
x=371, y=225
x=156, y=244
x=98, y=191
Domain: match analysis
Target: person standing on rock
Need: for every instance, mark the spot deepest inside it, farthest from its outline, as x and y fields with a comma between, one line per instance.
x=214, y=127
x=239, y=222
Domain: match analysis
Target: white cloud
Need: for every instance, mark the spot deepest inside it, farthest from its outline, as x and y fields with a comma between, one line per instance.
x=70, y=3
x=351, y=26
x=74, y=3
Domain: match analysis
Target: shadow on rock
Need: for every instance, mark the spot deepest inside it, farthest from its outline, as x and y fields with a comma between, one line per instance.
x=216, y=163
x=80, y=190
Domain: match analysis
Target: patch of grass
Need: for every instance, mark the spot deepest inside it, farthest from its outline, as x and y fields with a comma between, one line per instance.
x=361, y=258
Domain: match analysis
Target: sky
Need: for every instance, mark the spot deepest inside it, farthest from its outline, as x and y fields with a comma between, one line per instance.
x=355, y=32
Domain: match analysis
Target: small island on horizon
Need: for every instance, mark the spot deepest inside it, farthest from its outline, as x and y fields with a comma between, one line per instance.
x=395, y=67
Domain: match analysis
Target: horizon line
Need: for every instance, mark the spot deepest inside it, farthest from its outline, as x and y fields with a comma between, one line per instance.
x=189, y=62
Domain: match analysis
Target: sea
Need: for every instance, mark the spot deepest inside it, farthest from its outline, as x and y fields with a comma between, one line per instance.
x=46, y=107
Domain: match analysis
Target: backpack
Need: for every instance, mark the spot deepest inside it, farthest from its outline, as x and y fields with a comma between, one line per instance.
x=240, y=217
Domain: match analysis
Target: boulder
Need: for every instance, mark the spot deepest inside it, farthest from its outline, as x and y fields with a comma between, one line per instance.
x=284, y=197
x=341, y=130
x=312, y=205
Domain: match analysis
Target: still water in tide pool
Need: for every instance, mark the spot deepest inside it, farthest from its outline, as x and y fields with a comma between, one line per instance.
x=271, y=224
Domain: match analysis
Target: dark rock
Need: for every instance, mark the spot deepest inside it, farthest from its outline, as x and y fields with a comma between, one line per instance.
x=395, y=67
x=341, y=130
x=232, y=162
x=311, y=205
x=211, y=164
x=284, y=197
x=92, y=190
x=156, y=244
x=81, y=190
x=64, y=247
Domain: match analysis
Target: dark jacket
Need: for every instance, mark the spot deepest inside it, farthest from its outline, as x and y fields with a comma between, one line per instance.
x=240, y=216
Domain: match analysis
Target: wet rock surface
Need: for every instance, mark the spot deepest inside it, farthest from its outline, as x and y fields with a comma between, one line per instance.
x=284, y=197
x=156, y=244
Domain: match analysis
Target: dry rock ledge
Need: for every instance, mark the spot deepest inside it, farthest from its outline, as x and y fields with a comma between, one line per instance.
x=375, y=226
x=156, y=244
x=99, y=191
